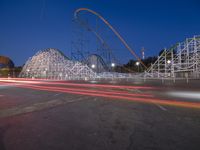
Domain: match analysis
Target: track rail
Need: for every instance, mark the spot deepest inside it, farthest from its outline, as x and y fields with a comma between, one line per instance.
x=112, y=28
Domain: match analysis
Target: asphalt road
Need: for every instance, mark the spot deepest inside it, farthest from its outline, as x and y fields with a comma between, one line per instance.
x=131, y=115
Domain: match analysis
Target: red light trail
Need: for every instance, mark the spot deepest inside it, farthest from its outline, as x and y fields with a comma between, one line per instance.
x=38, y=81
x=120, y=95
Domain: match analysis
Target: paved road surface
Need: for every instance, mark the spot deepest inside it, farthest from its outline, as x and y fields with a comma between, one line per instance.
x=39, y=115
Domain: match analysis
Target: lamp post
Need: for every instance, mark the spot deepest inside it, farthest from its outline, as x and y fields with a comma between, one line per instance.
x=112, y=66
x=93, y=66
x=137, y=64
x=168, y=61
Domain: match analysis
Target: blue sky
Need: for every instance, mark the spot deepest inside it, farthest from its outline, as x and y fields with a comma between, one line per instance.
x=27, y=26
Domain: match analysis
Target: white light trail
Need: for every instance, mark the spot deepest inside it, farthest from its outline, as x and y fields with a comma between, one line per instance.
x=186, y=94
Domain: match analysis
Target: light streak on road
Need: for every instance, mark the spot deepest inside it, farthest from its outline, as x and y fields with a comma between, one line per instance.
x=136, y=99
x=117, y=92
x=77, y=84
x=121, y=95
x=185, y=94
x=92, y=91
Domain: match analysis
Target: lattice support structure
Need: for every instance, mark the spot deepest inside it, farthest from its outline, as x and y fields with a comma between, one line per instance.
x=53, y=64
x=181, y=60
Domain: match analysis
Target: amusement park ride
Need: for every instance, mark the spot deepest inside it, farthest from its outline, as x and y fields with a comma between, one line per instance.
x=181, y=60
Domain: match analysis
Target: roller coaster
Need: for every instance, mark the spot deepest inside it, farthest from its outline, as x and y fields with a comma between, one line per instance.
x=102, y=41
x=179, y=61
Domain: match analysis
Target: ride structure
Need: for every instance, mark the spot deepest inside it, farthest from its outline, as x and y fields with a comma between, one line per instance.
x=53, y=64
x=102, y=41
x=180, y=61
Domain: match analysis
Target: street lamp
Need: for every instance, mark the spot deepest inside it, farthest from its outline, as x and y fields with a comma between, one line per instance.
x=169, y=61
x=93, y=66
x=137, y=64
x=112, y=64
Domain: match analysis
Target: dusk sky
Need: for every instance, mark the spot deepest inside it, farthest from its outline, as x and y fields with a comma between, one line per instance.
x=27, y=26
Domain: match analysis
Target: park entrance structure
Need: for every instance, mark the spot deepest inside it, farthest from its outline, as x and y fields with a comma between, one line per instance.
x=53, y=64
x=180, y=61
